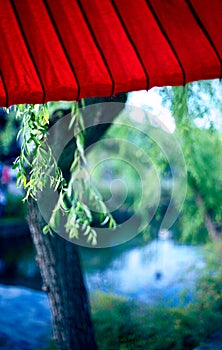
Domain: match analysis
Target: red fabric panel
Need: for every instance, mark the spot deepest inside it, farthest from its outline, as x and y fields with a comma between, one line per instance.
x=92, y=73
x=2, y=93
x=19, y=74
x=69, y=49
x=54, y=69
x=158, y=58
x=194, y=50
x=210, y=13
x=119, y=53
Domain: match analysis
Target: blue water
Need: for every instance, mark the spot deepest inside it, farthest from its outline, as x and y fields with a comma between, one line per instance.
x=134, y=273
x=24, y=318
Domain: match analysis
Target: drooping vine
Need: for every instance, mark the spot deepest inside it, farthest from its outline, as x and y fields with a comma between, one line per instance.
x=37, y=168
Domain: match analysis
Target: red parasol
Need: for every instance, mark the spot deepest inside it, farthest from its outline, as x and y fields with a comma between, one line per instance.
x=70, y=49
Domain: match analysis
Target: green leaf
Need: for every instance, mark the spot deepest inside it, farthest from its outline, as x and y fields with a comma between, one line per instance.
x=73, y=233
x=104, y=222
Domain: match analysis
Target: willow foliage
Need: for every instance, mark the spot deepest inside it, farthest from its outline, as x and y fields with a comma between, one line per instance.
x=37, y=168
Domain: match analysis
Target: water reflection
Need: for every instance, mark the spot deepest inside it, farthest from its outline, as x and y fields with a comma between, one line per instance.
x=150, y=273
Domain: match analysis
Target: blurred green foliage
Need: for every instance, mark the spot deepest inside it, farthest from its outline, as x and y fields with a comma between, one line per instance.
x=197, y=110
x=8, y=132
x=15, y=207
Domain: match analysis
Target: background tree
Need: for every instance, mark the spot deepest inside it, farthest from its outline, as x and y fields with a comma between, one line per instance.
x=196, y=109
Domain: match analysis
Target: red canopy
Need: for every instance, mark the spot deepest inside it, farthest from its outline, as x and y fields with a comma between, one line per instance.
x=69, y=49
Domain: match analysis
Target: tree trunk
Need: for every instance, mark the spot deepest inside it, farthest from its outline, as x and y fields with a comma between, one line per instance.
x=61, y=272
x=59, y=260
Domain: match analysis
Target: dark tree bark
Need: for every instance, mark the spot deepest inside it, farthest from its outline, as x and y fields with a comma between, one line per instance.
x=61, y=272
x=59, y=260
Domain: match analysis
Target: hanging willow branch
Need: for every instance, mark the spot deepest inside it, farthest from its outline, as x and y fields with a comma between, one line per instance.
x=37, y=169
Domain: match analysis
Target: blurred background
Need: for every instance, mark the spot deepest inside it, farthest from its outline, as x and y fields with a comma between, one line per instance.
x=163, y=288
